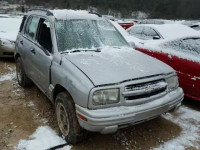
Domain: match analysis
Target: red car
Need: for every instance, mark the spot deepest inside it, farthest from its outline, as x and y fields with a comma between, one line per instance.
x=126, y=25
x=184, y=56
x=176, y=45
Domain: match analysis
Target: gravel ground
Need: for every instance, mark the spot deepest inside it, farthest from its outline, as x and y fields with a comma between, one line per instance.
x=24, y=110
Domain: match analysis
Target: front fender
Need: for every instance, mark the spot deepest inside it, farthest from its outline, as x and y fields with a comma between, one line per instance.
x=64, y=73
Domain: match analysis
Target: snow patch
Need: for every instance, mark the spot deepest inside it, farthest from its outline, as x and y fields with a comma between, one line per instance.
x=31, y=104
x=44, y=121
x=189, y=121
x=7, y=77
x=43, y=138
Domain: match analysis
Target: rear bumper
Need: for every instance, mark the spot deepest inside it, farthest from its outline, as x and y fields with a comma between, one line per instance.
x=109, y=120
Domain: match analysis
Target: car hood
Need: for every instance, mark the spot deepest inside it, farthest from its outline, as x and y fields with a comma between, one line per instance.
x=113, y=65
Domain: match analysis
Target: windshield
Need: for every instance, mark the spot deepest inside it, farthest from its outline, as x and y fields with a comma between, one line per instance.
x=87, y=35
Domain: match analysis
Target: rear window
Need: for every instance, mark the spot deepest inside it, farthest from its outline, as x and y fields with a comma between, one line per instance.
x=149, y=33
x=135, y=31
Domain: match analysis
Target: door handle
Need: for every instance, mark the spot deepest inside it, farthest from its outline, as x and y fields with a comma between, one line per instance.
x=33, y=51
x=21, y=42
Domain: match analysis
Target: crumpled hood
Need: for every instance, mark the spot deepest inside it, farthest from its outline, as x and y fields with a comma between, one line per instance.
x=113, y=65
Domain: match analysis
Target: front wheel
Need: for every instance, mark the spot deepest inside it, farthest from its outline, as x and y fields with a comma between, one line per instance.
x=67, y=120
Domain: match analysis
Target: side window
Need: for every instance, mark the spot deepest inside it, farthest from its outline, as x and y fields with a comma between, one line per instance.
x=44, y=35
x=22, y=24
x=136, y=31
x=31, y=27
x=149, y=33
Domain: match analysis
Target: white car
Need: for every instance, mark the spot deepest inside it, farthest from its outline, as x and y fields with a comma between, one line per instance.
x=8, y=33
x=149, y=33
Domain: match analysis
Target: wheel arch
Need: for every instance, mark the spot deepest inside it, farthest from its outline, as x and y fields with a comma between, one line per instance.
x=58, y=89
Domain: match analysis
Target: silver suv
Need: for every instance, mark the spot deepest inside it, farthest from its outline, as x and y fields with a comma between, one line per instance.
x=96, y=81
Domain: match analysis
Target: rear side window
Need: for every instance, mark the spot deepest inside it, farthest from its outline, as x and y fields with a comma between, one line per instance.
x=31, y=27
x=22, y=24
x=136, y=31
x=149, y=33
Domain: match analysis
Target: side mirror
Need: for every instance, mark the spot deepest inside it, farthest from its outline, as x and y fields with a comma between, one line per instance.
x=156, y=38
x=132, y=44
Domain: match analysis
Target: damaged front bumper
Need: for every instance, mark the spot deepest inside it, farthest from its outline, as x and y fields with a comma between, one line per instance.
x=109, y=120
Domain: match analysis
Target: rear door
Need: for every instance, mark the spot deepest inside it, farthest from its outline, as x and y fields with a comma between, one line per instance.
x=28, y=43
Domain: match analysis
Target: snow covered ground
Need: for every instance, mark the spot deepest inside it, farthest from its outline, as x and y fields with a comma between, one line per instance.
x=43, y=138
x=6, y=77
x=185, y=117
x=189, y=121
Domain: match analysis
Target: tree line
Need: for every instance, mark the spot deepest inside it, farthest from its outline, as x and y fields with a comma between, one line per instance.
x=168, y=9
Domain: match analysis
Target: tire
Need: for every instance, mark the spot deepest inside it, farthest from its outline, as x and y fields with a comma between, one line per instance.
x=22, y=78
x=69, y=126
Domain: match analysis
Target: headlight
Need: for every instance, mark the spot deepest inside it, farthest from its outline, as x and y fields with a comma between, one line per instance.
x=172, y=82
x=103, y=97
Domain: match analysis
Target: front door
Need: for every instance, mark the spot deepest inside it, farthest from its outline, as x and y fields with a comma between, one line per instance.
x=43, y=55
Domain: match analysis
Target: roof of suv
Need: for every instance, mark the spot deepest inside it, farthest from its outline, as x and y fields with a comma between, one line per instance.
x=65, y=14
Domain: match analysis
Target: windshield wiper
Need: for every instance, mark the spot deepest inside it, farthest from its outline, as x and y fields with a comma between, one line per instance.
x=78, y=50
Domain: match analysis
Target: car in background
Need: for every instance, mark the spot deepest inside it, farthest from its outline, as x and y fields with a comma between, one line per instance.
x=8, y=33
x=123, y=32
x=195, y=26
x=96, y=81
x=182, y=52
x=155, y=21
x=149, y=33
x=126, y=25
x=130, y=39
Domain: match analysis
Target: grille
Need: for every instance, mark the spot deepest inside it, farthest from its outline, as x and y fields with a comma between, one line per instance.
x=144, y=90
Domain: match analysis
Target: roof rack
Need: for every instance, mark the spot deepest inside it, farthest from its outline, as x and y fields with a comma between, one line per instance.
x=49, y=13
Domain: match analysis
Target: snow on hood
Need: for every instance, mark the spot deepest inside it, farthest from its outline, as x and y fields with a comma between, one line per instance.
x=9, y=27
x=113, y=65
x=64, y=14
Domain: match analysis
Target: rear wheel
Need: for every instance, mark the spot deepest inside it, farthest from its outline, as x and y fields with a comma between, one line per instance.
x=67, y=120
x=22, y=79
